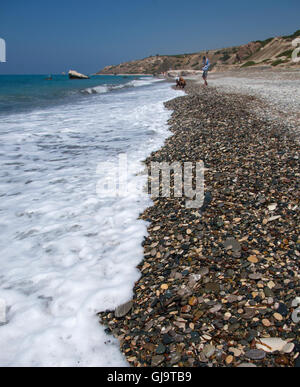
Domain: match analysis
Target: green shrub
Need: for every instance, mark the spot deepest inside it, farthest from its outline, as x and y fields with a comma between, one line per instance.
x=264, y=42
x=225, y=57
x=293, y=36
x=288, y=54
x=248, y=64
x=278, y=62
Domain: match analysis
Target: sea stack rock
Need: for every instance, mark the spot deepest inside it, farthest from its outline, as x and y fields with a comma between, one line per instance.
x=75, y=75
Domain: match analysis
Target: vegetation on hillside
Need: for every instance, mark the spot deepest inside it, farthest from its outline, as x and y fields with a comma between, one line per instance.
x=248, y=64
x=293, y=36
x=274, y=51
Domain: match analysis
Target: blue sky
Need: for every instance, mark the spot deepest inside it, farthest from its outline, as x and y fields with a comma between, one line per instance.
x=54, y=36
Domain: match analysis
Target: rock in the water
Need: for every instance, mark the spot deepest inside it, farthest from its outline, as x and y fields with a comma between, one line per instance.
x=75, y=75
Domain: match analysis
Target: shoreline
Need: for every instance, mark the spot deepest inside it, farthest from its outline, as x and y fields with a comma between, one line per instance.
x=124, y=75
x=213, y=284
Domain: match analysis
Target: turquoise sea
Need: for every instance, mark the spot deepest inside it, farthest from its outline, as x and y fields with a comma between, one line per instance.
x=25, y=92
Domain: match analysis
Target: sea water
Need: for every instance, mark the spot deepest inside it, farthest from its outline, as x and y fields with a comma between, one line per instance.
x=66, y=252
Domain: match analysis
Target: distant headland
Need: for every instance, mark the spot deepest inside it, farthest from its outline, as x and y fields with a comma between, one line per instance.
x=274, y=52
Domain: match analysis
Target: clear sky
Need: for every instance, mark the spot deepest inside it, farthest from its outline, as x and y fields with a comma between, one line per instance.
x=57, y=35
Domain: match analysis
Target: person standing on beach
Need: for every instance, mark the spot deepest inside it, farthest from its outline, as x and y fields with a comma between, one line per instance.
x=206, y=66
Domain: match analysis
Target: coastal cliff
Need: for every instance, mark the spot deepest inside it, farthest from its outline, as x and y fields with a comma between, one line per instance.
x=272, y=52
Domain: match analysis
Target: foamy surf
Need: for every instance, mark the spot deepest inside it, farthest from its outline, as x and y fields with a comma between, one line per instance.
x=68, y=254
x=146, y=81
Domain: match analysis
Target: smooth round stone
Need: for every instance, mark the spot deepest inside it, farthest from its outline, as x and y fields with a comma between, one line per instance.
x=186, y=309
x=161, y=349
x=237, y=352
x=209, y=350
x=271, y=285
x=266, y=323
x=272, y=207
x=193, y=301
x=157, y=360
x=216, y=308
x=247, y=365
x=231, y=298
x=271, y=344
x=288, y=348
x=175, y=358
x=268, y=292
x=167, y=339
x=204, y=271
x=212, y=287
x=232, y=244
x=122, y=310
x=253, y=259
x=278, y=317
x=282, y=360
x=195, y=336
x=256, y=354
x=229, y=359
x=230, y=273
x=227, y=316
x=255, y=276
x=249, y=314
x=296, y=316
x=283, y=310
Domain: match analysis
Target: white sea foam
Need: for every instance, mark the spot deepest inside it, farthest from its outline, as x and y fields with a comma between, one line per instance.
x=144, y=81
x=66, y=254
x=97, y=90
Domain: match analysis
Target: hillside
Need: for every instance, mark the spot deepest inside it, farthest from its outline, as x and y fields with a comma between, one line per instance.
x=275, y=52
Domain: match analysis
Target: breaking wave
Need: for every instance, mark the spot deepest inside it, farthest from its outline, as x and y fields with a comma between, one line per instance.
x=103, y=89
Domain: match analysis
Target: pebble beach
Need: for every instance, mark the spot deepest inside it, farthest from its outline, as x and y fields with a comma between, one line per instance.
x=219, y=285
